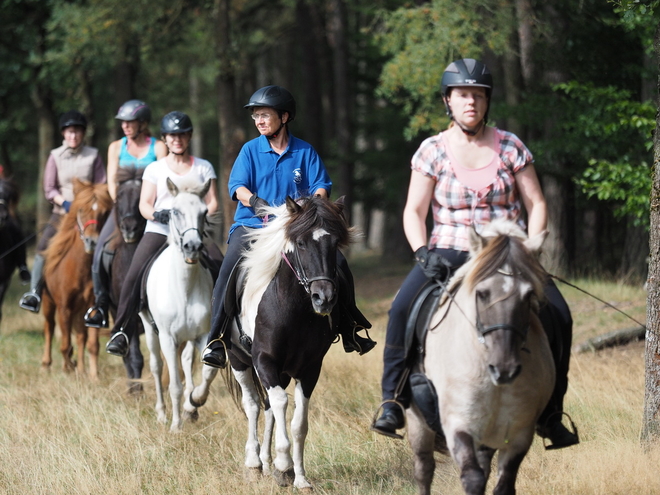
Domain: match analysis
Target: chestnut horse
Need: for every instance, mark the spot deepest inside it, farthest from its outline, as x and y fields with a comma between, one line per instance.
x=68, y=277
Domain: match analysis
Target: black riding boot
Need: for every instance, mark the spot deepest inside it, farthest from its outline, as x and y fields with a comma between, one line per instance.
x=32, y=300
x=215, y=353
x=97, y=315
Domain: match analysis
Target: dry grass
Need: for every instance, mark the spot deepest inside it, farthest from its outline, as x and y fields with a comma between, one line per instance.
x=61, y=434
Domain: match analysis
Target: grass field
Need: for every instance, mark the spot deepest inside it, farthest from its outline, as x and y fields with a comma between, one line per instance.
x=62, y=434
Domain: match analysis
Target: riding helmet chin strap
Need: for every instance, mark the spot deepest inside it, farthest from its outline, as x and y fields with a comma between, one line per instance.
x=277, y=132
x=471, y=132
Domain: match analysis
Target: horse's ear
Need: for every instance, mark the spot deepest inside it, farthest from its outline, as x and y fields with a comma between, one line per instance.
x=340, y=203
x=533, y=244
x=171, y=186
x=477, y=242
x=205, y=189
x=292, y=206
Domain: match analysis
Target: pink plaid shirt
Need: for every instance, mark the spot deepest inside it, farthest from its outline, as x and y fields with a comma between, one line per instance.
x=457, y=206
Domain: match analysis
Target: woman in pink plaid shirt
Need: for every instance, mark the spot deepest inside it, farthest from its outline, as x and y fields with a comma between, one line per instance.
x=470, y=174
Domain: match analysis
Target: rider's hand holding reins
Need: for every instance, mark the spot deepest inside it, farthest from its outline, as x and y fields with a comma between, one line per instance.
x=257, y=204
x=434, y=265
x=162, y=216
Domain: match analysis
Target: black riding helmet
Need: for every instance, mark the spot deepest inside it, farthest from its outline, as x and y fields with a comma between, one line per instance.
x=134, y=110
x=72, y=117
x=466, y=72
x=176, y=123
x=274, y=97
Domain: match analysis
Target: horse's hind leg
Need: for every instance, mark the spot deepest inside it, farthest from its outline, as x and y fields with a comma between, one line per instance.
x=266, y=444
x=89, y=340
x=299, y=428
x=422, y=443
x=66, y=347
x=48, y=309
x=473, y=477
x=251, y=405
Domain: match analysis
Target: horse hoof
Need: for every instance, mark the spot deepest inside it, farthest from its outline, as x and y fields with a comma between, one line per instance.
x=283, y=478
x=253, y=474
x=135, y=390
x=191, y=416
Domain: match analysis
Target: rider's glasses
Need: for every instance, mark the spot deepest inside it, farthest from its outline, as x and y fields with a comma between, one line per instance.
x=261, y=116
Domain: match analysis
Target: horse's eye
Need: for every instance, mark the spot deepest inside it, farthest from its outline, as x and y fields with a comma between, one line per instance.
x=483, y=295
x=300, y=244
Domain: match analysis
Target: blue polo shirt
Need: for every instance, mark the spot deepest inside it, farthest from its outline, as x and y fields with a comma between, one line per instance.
x=297, y=172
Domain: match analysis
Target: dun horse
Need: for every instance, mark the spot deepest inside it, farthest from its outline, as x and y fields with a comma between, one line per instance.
x=128, y=231
x=178, y=316
x=490, y=362
x=68, y=278
x=287, y=311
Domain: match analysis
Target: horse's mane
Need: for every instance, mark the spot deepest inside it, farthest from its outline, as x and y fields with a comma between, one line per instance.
x=263, y=258
x=86, y=195
x=129, y=173
x=504, y=246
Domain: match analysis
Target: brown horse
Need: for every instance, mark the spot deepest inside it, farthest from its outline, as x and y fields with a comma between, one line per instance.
x=68, y=278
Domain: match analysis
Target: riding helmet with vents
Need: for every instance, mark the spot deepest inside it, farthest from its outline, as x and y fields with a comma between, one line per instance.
x=72, y=117
x=467, y=72
x=274, y=97
x=134, y=110
x=176, y=123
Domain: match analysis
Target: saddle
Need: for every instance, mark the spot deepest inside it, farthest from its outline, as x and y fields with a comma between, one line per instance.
x=233, y=296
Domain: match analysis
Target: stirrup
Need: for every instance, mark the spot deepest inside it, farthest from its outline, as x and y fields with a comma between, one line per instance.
x=113, y=338
x=224, y=348
x=376, y=415
x=547, y=446
x=93, y=324
x=23, y=304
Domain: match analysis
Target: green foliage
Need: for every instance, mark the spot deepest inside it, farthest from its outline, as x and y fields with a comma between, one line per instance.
x=611, y=131
x=422, y=40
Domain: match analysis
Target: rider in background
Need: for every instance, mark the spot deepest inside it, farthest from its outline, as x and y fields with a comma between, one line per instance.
x=267, y=170
x=470, y=174
x=155, y=203
x=70, y=161
x=136, y=149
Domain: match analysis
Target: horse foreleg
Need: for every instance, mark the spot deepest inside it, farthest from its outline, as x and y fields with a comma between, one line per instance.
x=422, y=443
x=299, y=429
x=251, y=406
x=197, y=398
x=508, y=463
x=92, y=349
x=187, y=357
x=48, y=308
x=156, y=366
x=134, y=362
x=463, y=452
x=266, y=444
x=171, y=353
x=65, y=344
x=283, y=462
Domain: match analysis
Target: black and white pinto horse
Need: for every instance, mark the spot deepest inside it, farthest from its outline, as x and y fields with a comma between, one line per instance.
x=287, y=309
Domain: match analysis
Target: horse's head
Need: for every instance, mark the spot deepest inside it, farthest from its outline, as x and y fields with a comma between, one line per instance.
x=90, y=208
x=316, y=229
x=187, y=219
x=8, y=200
x=129, y=220
x=506, y=281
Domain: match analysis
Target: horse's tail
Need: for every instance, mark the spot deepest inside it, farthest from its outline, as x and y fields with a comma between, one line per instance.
x=235, y=390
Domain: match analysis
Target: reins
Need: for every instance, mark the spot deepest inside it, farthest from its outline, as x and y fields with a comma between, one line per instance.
x=299, y=272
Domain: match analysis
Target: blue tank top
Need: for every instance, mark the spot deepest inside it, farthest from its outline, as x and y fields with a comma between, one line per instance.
x=127, y=160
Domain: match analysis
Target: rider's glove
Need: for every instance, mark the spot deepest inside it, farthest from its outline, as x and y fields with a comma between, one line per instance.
x=66, y=205
x=162, y=216
x=257, y=204
x=433, y=264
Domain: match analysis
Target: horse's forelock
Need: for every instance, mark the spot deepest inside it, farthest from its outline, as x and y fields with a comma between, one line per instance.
x=506, y=250
x=125, y=174
x=317, y=213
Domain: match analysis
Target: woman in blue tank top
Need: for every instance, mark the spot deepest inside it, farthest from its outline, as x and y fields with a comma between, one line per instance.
x=136, y=149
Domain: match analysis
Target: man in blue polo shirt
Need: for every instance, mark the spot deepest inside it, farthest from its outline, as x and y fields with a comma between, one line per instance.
x=267, y=170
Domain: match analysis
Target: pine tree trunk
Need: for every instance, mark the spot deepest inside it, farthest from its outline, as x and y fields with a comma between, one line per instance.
x=651, y=420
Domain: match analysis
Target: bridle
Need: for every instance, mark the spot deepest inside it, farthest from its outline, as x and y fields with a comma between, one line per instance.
x=483, y=331
x=299, y=272
x=83, y=226
x=181, y=234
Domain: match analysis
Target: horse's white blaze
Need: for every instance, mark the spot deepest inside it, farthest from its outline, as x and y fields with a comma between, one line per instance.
x=318, y=233
x=507, y=284
x=95, y=206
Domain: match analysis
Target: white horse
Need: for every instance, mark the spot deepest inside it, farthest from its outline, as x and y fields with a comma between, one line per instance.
x=178, y=318
x=489, y=361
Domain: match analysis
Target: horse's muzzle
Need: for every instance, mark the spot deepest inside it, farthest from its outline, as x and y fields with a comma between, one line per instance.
x=324, y=296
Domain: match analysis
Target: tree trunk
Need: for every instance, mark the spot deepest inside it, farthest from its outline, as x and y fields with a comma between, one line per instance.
x=339, y=44
x=198, y=135
x=651, y=420
x=310, y=42
x=232, y=135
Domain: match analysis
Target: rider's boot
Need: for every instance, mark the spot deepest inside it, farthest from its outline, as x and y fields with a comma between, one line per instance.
x=389, y=421
x=118, y=344
x=97, y=315
x=353, y=322
x=215, y=353
x=32, y=300
x=24, y=274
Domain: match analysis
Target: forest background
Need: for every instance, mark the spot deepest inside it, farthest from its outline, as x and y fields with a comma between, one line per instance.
x=574, y=79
